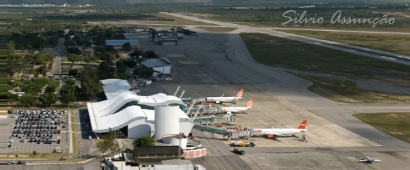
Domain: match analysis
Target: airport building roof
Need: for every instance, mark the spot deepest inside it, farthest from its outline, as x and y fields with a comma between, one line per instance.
x=112, y=87
x=111, y=114
x=121, y=42
x=150, y=63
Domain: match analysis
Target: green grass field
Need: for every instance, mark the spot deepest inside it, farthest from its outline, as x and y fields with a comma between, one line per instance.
x=385, y=42
x=394, y=124
x=280, y=52
x=74, y=134
x=217, y=29
x=346, y=91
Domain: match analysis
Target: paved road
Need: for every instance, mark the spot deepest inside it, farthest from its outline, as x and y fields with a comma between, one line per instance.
x=85, y=146
x=60, y=54
x=230, y=69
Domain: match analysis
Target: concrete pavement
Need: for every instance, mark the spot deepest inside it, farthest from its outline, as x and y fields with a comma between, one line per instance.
x=229, y=69
x=343, y=47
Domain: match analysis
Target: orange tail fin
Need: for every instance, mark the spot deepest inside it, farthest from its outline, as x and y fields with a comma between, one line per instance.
x=249, y=104
x=303, y=125
x=239, y=93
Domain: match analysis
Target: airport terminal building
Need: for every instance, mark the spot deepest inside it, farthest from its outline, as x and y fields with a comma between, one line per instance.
x=133, y=116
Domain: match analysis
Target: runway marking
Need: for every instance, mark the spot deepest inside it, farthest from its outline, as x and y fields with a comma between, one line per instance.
x=188, y=62
x=266, y=125
x=387, y=58
x=403, y=57
x=176, y=55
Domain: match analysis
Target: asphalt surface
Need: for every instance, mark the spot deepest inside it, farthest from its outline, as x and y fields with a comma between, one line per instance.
x=83, y=130
x=229, y=68
x=60, y=55
x=229, y=63
x=348, y=48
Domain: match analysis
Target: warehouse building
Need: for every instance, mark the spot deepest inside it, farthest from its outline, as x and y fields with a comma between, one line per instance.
x=162, y=65
x=168, y=42
x=117, y=44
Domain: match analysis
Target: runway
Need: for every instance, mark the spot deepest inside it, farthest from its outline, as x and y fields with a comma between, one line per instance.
x=348, y=48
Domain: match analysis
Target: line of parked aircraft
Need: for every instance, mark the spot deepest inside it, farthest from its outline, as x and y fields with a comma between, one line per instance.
x=222, y=99
x=271, y=133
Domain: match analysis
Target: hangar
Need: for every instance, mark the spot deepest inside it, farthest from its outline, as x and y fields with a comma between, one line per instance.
x=133, y=116
x=162, y=65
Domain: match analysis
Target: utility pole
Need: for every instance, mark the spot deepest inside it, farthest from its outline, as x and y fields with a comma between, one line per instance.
x=68, y=104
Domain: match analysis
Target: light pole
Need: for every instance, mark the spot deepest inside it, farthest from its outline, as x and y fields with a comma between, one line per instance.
x=68, y=104
x=18, y=95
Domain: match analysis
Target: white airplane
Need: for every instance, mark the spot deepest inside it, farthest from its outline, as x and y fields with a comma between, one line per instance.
x=225, y=99
x=234, y=109
x=367, y=159
x=271, y=133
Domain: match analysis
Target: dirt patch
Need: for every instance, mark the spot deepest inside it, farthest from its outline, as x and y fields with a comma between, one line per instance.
x=393, y=115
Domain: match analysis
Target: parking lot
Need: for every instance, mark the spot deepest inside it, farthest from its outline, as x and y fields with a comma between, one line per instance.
x=43, y=131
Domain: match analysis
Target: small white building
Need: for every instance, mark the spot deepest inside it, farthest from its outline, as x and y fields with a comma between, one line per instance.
x=162, y=65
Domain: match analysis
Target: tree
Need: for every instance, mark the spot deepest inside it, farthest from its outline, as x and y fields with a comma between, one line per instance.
x=144, y=141
x=35, y=73
x=137, y=53
x=40, y=58
x=48, y=99
x=151, y=54
x=43, y=70
x=28, y=100
x=72, y=72
x=90, y=84
x=12, y=97
x=67, y=98
x=130, y=63
x=126, y=46
x=143, y=72
x=74, y=50
x=50, y=89
x=108, y=143
x=11, y=47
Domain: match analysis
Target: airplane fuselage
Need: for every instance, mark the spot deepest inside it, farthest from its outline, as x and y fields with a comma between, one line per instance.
x=233, y=109
x=278, y=132
x=221, y=99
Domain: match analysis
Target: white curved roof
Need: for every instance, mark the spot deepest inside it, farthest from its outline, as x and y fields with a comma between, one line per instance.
x=101, y=124
x=114, y=86
x=110, y=106
x=102, y=114
x=109, y=82
x=117, y=121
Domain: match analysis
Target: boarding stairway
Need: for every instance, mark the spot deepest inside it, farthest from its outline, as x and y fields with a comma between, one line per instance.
x=212, y=119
